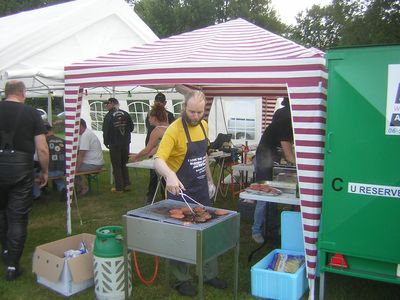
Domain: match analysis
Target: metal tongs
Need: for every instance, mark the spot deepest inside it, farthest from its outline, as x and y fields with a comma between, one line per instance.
x=183, y=196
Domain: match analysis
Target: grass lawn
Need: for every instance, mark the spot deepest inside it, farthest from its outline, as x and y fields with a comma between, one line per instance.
x=48, y=223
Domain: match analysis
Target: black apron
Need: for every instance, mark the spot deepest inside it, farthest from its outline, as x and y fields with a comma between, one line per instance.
x=192, y=172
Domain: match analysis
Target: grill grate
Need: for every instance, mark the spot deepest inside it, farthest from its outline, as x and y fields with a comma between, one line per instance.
x=159, y=211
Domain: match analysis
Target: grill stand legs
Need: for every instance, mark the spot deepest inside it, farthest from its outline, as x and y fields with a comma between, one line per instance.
x=236, y=271
x=200, y=265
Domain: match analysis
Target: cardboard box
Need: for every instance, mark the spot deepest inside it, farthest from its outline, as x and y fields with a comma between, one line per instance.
x=280, y=285
x=65, y=276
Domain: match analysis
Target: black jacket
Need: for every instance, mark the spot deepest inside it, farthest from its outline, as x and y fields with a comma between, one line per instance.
x=117, y=128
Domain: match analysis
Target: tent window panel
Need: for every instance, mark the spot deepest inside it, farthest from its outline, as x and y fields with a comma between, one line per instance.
x=142, y=128
x=242, y=128
x=97, y=113
x=177, y=108
x=138, y=110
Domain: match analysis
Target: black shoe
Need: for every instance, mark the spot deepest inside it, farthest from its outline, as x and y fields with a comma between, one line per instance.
x=13, y=273
x=186, y=289
x=217, y=283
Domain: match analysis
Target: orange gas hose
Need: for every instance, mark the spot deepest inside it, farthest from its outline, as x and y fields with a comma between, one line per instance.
x=139, y=274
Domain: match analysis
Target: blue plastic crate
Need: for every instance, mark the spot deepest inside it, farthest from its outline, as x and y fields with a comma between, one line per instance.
x=279, y=285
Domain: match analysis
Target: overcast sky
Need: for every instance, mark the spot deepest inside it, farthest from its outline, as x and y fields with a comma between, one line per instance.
x=288, y=9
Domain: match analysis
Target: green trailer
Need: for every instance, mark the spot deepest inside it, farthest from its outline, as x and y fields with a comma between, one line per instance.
x=360, y=222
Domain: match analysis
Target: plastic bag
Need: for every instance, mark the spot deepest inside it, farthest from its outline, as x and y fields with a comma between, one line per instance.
x=211, y=189
x=286, y=263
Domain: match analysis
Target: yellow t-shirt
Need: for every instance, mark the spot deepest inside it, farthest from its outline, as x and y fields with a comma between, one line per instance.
x=173, y=146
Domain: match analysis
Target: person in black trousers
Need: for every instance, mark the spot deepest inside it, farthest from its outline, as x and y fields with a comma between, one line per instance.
x=21, y=132
x=159, y=98
x=117, y=128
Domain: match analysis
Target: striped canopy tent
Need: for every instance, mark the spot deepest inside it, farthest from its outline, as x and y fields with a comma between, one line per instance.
x=235, y=58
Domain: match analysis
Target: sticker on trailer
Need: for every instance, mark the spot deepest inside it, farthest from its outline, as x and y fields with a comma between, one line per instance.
x=374, y=190
x=393, y=101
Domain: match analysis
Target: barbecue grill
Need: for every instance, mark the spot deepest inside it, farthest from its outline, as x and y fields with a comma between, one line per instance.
x=151, y=230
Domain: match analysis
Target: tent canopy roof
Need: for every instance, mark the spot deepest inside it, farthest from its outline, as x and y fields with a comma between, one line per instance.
x=41, y=42
x=230, y=42
x=227, y=54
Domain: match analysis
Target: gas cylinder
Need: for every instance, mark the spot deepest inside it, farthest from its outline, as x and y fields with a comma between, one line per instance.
x=109, y=271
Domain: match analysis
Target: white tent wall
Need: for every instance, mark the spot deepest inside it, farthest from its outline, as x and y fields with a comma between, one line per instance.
x=139, y=95
x=37, y=44
x=223, y=108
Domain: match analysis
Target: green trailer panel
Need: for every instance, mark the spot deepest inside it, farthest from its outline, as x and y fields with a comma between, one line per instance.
x=361, y=190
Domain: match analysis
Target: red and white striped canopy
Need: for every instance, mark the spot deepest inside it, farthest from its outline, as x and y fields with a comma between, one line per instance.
x=235, y=58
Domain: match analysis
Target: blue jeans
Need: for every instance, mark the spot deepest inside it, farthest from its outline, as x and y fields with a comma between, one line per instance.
x=263, y=165
x=266, y=214
x=259, y=217
x=60, y=183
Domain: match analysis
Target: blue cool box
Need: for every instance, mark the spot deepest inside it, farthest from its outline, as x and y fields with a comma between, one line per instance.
x=280, y=285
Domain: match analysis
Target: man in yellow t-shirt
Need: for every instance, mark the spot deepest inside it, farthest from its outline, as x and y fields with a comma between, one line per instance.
x=182, y=160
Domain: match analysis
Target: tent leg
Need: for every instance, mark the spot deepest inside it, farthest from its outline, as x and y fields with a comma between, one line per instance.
x=321, y=285
x=49, y=108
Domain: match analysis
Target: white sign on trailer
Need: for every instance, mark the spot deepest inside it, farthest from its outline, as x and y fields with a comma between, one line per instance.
x=374, y=190
x=393, y=101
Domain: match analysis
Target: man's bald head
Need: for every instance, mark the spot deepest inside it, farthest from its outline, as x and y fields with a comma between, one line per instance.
x=193, y=107
x=15, y=90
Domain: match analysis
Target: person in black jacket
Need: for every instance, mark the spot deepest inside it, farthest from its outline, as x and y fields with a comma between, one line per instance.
x=117, y=128
x=159, y=98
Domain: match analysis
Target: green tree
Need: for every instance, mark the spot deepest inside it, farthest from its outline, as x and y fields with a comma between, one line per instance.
x=348, y=23
x=380, y=24
x=322, y=26
x=169, y=17
x=158, y=15
x=8, y=7
x=259, y=12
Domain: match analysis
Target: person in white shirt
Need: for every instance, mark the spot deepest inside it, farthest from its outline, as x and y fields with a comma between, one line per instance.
x=90, y=155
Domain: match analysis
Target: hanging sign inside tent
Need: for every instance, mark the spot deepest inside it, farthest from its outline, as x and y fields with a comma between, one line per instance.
x=393, y=101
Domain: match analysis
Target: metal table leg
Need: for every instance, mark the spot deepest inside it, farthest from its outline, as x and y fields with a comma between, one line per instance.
x=167, y=266
x=158, y=186
x=221, y=171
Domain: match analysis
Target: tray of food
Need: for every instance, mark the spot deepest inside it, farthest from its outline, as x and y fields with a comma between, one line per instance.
x=285, y=187
x=263, y=189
